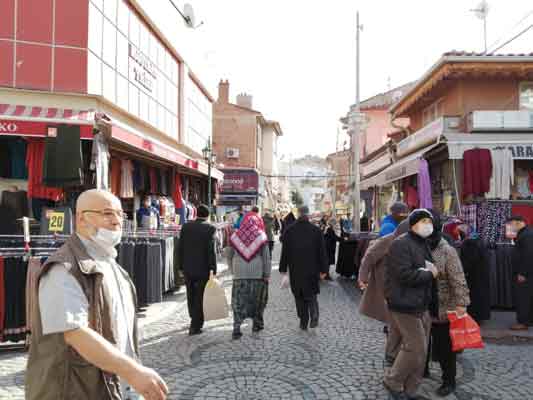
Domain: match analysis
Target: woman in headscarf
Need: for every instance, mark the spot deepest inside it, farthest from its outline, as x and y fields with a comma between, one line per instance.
x=450, y=294
x=250, y=263
x=331, y=237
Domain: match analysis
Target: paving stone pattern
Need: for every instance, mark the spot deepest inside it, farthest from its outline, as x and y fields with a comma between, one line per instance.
x=342, y=359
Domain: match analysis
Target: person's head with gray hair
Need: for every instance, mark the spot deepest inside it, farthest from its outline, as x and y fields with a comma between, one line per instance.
x=303, y=211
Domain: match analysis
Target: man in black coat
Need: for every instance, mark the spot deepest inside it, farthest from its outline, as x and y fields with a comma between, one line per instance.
x=409, y=274
x=523, y=270
x=197, y=260
x=304, y=255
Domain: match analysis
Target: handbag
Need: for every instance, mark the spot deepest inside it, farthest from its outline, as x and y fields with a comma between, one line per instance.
x=215, y=302
x=464, y=332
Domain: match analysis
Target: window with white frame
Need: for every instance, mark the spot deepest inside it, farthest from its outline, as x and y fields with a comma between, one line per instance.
x=432, y=112
x=526, y=96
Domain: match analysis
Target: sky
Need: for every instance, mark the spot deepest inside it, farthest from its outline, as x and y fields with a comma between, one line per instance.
x=297, y=57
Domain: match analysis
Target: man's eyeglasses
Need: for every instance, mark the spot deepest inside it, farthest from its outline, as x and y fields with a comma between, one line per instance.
x=109, y=214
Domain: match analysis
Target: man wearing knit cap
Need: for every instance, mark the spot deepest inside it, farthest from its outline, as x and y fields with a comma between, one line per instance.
x=198, y=260
x=398, y=212
x=409, y=275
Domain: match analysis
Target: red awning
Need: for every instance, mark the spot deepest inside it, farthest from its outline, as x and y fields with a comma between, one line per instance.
x=137, y=140
x=19, y=120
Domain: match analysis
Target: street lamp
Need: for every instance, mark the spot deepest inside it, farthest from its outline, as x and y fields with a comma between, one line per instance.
x=211, y=159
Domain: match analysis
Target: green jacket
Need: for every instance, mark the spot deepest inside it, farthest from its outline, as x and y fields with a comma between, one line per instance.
x=269, y=227
x=55, y=371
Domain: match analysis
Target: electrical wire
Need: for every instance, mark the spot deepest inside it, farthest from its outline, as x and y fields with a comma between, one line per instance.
x=497, y=42
x=513, y=38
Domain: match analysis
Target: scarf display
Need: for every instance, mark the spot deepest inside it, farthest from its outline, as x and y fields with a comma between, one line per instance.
x=250, y=237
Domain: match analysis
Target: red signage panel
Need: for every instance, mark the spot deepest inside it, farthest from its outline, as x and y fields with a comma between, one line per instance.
x=36, y=129
x=237, y=181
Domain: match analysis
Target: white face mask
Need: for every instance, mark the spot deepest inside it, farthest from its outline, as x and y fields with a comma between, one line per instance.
x=107, y=238
x=425, y=230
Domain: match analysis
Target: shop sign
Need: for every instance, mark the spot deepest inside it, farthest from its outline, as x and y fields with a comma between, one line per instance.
x=240, y=182
x=8, y=127
x=144, y=71
x=37, y=129
x=425, y=136
x=522, y=151
x=395, y=174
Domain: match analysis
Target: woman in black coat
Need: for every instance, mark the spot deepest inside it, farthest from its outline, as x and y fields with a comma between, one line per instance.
x=331, y=238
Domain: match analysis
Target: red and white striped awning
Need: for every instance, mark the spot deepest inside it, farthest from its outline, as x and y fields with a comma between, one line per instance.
x=46, y=114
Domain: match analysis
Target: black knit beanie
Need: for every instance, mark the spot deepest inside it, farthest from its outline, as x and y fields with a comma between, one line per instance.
x=418, y=215
x=203, y=211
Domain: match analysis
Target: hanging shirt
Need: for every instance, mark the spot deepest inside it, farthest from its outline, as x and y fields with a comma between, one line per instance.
x=100, y=161
x=126, y=182
x=34, y=162
x=424, y=185
x=17, y=154
x=477, y=171
x=502, y=177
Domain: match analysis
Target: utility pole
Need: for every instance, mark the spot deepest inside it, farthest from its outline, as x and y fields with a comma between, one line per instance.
x=356, y=120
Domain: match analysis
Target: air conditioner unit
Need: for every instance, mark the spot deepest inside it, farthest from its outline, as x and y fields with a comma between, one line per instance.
x=480, y=121
x=232, y=153
x=518, y=120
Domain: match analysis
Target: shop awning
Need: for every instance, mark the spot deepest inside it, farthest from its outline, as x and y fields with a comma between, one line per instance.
x=21, y=120
x=520, y=144
x=400, y=169
x=136, y=139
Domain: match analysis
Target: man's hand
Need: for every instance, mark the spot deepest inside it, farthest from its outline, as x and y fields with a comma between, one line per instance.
x=211, y=275
x=267, y=280
x=521, y=279
x=147, y=383
x=431, y=268
x=362, y=285
x=460, y=310
x=323, y=276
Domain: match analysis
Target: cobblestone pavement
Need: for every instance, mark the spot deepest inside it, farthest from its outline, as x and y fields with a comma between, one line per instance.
x=342, y=359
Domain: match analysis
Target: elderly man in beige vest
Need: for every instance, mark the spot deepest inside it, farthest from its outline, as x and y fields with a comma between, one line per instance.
x=84, y=338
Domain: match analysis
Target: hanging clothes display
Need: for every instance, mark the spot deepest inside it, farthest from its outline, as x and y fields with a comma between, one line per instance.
x=100, y=161
x=15, y=270
x=34, y=162
x=126, y=184
x=116, y=172
x=63, y=159
x=5, y=163
x=2, y=299
x=17, y=154
x=525, y=211
x=477, y=172
x=491, y=219
x=424, y=185
x=153, y=180
x=502, y=177
x=475, y=264
x=410, y=195
x=17, y=202
x=469, y=215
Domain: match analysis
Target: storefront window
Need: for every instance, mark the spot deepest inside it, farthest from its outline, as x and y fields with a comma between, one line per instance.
x=110, y=43
x=122, y=92
x=96, y=20
x=122, y=54
x=94, y=72
x=109, y=84
x=526, y=96
x=123, y=17
x=110, y=10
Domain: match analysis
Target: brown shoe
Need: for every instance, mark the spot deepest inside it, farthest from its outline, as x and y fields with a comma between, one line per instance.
x=519, y=327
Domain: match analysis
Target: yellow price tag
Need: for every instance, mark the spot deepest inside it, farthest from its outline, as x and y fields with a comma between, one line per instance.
x=56, y=222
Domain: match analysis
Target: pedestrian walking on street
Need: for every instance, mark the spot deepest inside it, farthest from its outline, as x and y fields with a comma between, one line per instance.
x=452, y=295
x=523, y=272
x=372, y=280
x=398, y=212
x=84, y=326
x=249, y=261
x=303, y=255
x=277, y=223
x=331, y=238
x=269, y=221
x=198, y=261
x=286, y=223
x=409, y=275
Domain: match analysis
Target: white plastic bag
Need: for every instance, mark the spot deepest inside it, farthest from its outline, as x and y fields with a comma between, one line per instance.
x=215, y=302
x=285, y=282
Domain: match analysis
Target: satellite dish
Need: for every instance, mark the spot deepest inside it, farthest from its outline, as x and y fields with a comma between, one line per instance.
x=482, y=10
x=188, y=13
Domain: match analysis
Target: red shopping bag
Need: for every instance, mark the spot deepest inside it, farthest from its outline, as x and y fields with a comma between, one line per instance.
x=464, y=332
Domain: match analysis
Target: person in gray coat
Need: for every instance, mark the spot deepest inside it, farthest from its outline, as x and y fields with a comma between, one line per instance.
x=249, y=261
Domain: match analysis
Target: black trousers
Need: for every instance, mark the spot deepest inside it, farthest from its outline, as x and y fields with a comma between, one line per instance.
x=307, y=308
x=442, y=352
x=524, y=302
x=195, y=302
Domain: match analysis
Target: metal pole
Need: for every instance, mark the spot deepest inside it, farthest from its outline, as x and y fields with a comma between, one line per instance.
x=209, y=158
x=356, y=194
x=485, y=31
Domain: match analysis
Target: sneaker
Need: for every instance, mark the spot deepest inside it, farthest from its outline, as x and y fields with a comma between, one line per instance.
x=445, y=390
x=303, y=326
x=314, y=324
x=394, y=395
x=236, y=335
x=194, y=332
x=257, y=328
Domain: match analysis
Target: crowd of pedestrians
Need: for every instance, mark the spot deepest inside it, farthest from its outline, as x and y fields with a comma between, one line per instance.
x=85, y=326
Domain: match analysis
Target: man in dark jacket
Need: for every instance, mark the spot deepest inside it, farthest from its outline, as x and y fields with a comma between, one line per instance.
x=409, y=274
x=197, y=260
x=523, y=270
x=398, y=212
x=304, y=255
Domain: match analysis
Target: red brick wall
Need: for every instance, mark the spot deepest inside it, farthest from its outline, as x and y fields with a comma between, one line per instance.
x=43, y=45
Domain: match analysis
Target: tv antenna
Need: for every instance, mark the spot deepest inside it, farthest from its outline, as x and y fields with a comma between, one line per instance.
x=190, y=18
x=481, y=11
